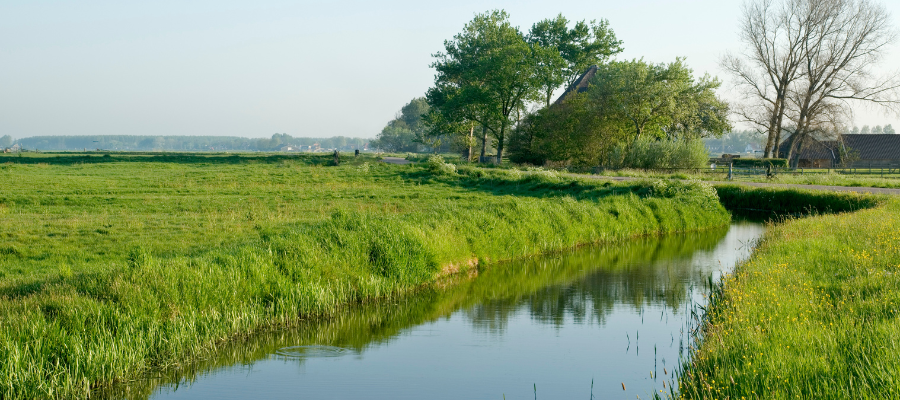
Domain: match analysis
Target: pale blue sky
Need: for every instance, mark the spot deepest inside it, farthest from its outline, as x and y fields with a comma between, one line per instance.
x=309, y=68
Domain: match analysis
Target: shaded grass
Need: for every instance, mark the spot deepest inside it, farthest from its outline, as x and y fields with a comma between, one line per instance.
x=815, y=313
x=743, y=200
x=114, y=269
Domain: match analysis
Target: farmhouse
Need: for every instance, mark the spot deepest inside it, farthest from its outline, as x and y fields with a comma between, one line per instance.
x=580, y=85
x=851, y=150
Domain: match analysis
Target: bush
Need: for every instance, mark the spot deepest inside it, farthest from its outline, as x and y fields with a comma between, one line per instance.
x=658, y=154
x=437, y=166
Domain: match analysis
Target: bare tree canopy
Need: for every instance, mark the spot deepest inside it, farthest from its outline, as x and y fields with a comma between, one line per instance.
x=806, y=62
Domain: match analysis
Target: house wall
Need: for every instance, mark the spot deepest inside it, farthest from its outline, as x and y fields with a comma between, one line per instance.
x=819, y=163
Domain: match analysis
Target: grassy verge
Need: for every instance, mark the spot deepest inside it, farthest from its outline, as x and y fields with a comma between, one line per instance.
x=809, y=177
x=815, y=313
x=111, y=269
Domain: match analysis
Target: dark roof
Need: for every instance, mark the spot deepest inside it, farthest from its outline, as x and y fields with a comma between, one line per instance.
x=812, y=149
x=580, y=85
x=869, y=147
x=883, y=146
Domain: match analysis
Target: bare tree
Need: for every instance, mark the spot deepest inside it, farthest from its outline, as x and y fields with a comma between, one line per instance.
x=806, y=61
x=850, y=38
x=774, y=34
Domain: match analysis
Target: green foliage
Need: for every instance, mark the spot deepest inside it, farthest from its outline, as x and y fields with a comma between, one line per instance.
x=485, y=75
x=6, y=141
x=407, y=132
x=437, y=165
x=659, y=100
x=568, y=133
x=565, y=53
x=658, y=154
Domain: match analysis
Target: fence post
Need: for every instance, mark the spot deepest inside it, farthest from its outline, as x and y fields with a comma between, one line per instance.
x=730, y=171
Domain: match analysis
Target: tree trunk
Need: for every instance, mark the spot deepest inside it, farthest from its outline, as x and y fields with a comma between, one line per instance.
x=483, y=141
x=469, y=142
x=500, y=142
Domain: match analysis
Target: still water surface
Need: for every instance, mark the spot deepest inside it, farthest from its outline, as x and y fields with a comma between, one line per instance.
x=607, y=314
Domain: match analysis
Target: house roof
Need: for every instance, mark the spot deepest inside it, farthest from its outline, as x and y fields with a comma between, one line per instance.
x=869, y=147
x=580, y=85
x=812, y=149
x=884, y=146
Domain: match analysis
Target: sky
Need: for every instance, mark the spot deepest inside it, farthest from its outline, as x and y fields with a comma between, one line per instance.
x=305, y=68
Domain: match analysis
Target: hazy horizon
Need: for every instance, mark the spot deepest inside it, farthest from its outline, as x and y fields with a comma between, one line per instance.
x=311, y=69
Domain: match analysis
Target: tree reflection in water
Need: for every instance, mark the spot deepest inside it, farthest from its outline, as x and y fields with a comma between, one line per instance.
x=582, y=286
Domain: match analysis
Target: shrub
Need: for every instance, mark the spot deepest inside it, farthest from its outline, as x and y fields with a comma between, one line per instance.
x=437, y=166
x=658, y=154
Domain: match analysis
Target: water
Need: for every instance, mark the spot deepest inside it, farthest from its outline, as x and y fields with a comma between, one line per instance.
x=610, y=315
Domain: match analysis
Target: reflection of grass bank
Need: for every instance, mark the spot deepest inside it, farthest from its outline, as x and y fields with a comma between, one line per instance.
x=581, y=285
x=129, y=266
x=815, y=313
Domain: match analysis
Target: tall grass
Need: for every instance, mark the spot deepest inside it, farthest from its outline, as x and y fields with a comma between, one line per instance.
x=815, y=314
x=646, y=153
x=115, y=269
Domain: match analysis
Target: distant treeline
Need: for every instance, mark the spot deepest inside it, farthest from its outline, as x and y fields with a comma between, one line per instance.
x=278, y=141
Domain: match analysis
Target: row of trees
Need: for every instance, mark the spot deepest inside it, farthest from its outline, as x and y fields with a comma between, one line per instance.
x=888, y=129
x=807, y=62
x=186, y=143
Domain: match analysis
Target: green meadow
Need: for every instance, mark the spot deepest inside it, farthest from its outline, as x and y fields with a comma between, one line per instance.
x=116, y=265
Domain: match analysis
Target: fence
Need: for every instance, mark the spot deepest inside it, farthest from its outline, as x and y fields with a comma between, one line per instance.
x=727, y=171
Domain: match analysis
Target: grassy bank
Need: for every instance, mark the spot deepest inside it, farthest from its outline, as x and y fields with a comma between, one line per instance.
x=744, y=200
x=111, y=269
x=661, y=264
x=815, y=313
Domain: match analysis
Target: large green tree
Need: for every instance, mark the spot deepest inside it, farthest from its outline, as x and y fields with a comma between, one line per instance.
x=565, y=53
x=489, y=71
x=407, y=130
x=659, y=100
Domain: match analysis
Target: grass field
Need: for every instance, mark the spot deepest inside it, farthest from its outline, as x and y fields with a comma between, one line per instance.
x=815, y=314
x=116, y=265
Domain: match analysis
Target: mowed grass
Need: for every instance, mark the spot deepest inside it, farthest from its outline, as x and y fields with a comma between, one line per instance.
x=114, y=267
x=814, y=314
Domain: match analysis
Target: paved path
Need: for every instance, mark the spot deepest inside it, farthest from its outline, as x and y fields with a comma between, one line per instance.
x=763, y=184
x=395, y=160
